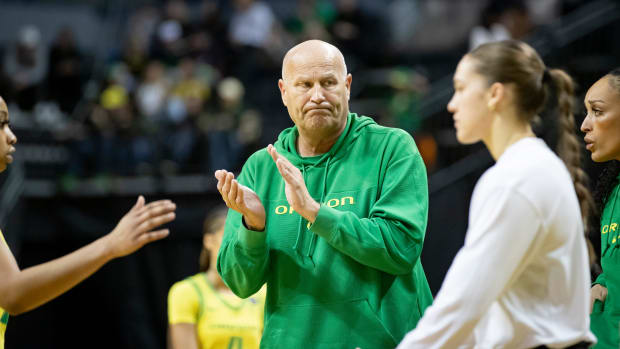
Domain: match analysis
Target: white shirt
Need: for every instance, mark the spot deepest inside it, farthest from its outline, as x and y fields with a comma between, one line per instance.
x=522, y=278
x=252, y=27
x=480, y=35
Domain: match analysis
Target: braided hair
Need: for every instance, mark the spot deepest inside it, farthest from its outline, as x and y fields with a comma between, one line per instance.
x=517, y=63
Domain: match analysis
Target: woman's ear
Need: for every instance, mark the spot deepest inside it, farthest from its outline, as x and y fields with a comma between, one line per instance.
x=496, y=95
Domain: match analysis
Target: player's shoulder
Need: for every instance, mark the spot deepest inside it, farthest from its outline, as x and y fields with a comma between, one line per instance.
x=393, y=134
x=390, y=140
x=185, y=287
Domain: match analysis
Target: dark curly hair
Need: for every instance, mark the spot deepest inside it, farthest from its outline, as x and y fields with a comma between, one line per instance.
x=606, y=182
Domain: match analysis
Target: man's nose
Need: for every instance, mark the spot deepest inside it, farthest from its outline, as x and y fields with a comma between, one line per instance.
x=317, y=94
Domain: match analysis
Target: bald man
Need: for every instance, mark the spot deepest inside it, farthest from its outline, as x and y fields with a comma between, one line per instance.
x=332, y=217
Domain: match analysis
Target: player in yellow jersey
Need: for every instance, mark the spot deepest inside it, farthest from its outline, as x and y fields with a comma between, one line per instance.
x=203, y=312
x=23, y=290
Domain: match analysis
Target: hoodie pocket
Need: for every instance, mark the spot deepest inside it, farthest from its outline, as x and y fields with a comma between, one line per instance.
x=346, y=324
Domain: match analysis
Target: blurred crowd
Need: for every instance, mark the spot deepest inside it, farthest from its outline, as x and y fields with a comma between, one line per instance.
x=191, y=85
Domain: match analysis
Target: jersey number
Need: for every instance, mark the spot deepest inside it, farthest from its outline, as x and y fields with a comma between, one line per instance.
x=235, y=343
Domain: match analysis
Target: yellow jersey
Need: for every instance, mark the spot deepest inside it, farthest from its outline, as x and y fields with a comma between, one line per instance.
x=4, y=316
x=222, y=320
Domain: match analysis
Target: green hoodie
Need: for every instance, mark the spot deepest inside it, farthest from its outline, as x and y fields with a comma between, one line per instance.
x=354, y=277
x=605, y=317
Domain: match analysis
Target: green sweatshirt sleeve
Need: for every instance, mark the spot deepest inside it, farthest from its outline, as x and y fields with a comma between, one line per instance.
x=391, y=238
x=601, y=280
x=244, y=254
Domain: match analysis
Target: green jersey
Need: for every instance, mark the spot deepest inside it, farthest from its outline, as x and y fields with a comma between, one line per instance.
x=605, y=317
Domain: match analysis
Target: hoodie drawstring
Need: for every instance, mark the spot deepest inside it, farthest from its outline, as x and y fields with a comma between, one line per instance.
x=299, y=226
x=312, y=245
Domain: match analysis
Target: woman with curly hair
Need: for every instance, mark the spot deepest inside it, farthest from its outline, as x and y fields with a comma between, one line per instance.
x=602, y=130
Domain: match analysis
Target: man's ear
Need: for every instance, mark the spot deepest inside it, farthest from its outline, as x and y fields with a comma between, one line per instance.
x=496, y=95
x=282, y=91
x=348, y=81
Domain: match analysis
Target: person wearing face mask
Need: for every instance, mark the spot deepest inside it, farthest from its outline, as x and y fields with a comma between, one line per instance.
x=24, y=290
x=332, y=218
x=521, y=279
x=602, y=127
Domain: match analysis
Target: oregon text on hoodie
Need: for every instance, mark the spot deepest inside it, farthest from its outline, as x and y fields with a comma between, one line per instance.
x=354, y=277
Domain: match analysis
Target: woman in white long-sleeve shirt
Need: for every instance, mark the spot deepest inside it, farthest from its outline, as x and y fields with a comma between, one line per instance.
x=522, y=278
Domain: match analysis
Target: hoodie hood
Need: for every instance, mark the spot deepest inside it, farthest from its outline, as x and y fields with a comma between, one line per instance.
x=286, y=143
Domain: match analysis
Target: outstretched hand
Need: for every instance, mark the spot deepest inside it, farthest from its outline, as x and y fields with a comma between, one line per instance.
x=295, y=188
x=135, y=229
x=241, y=199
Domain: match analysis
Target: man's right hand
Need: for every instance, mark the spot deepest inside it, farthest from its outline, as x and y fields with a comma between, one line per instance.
x=597, y=292
x=241, y=199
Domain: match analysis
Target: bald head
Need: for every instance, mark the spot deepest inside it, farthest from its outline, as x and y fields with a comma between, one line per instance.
x=315, y=88
x=313, y=52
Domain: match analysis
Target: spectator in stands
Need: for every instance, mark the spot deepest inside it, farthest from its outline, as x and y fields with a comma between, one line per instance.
x=152, y=92
x=169, y=45
x=251, y=23
x=135, y=55
x=25, y=64
x=187, y=100
x=310, y=20
x=501, y=20
x=140, y=32
x=208, y=42
x=220, y=125
x=64, y=82
x=359, y=33
x=253, y=32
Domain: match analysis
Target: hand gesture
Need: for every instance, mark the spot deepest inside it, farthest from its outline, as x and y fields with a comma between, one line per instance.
x=241, y=199
x=134, y=230
x=597, y=292
x=295, y=188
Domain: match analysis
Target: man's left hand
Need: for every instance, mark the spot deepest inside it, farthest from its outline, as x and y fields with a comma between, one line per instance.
x=296, y=191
